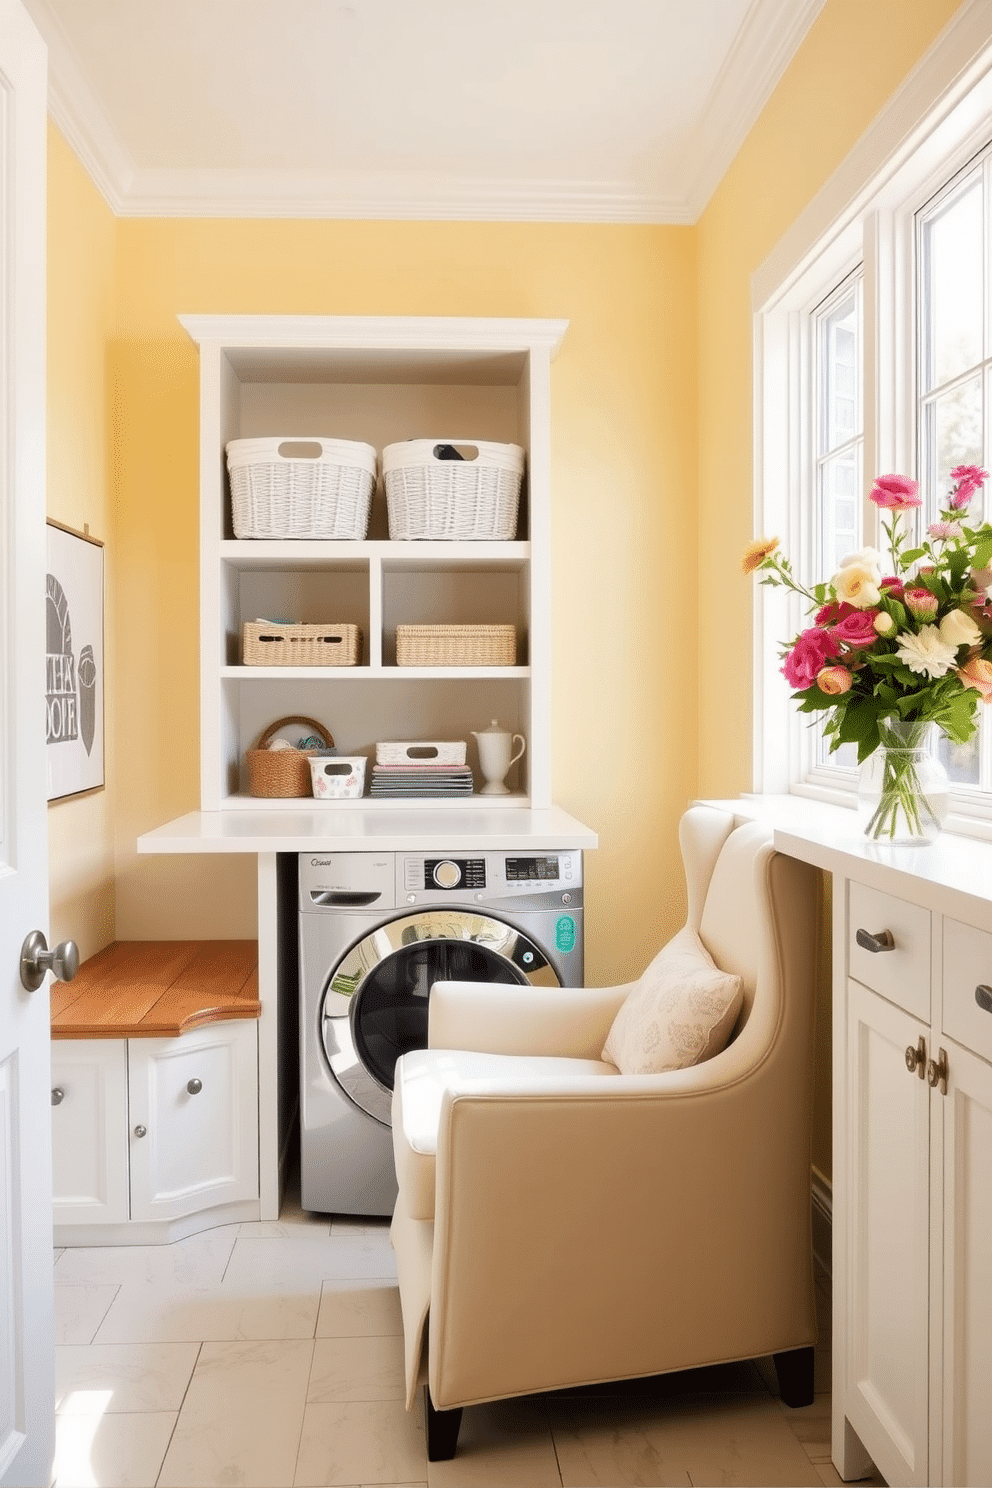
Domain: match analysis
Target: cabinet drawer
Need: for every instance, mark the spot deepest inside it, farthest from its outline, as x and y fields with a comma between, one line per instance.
x=968, y=967
x=902, y=972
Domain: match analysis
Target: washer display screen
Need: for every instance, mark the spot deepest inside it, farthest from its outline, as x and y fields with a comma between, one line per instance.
x=536, y=869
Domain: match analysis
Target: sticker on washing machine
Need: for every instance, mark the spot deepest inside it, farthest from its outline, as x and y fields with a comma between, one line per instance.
x=565, y=933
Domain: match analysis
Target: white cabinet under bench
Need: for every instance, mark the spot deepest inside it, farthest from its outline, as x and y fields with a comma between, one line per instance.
x=155, y=1092
x=912, y=1146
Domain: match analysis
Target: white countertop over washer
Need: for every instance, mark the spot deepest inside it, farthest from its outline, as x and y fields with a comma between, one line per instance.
x=302, y=825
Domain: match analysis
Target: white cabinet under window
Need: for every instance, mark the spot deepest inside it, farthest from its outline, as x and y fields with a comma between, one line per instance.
x=147, y=1130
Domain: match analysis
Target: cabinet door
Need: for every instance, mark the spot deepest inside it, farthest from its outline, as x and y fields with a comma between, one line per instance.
x=887, y=1160
x=89, y=1131
x=967, y=1311
x=194, y=1120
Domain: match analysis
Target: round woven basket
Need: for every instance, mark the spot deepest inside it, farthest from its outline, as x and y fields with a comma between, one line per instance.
x=283, y=772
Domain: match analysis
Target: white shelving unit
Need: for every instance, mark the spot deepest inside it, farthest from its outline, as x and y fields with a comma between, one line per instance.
x=379, y=380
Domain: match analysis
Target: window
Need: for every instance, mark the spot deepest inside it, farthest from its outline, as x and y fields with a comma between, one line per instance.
x=873, y=339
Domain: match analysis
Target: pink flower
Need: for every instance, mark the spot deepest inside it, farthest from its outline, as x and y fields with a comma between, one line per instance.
x=833, y=612
x=921, y=603
x=978, y=674
x=809, y=655
x=893, y=587
x=945, y=529
x=969, y=479
x=896, y=492
x=858, y=629
x=834, y=680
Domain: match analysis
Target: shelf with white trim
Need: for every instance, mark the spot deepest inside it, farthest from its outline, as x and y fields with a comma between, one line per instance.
x=380, y=381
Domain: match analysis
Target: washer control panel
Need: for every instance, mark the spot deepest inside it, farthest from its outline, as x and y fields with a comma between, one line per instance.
x=488, y=875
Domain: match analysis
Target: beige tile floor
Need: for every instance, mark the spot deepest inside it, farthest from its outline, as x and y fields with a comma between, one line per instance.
x=270, y=1355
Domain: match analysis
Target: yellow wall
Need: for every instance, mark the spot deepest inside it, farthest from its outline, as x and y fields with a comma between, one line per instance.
x=624, y=422
x=81, y=252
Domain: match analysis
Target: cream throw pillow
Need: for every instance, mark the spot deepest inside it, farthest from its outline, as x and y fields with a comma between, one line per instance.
x=681, y=1011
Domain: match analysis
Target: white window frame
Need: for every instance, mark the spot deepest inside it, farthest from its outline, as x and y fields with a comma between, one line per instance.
x=865, y=215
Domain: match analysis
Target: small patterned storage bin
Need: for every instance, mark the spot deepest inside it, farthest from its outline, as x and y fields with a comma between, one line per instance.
x=338, y=779
x=300, y=487
x=454, y=490
x=266, y=644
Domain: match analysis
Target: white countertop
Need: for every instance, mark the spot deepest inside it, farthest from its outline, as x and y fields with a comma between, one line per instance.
x=297, y=829
x=831, y=837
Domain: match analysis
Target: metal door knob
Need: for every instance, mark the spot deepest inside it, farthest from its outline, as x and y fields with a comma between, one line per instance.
x=37, y=960
x=937, y=1072
x=58, y=1096
x=194, y=1086
x=141, y=1131
x=916, y=1058
x=880, y=940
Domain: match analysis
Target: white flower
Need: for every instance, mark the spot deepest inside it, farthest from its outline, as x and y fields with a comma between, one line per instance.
x=926, y=653
x=959, y=629
x=865, y=558
x=857, y=584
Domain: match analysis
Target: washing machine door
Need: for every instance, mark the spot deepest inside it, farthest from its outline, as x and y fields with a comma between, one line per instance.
x=374, y=1006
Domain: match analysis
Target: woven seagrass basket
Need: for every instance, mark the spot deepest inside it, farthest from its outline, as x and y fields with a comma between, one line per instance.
x=283, y=773
x=456, y=645
x=301, y=645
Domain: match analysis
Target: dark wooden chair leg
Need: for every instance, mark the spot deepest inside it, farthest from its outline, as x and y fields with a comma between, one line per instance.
x=442, y=1430
x=794, y=1368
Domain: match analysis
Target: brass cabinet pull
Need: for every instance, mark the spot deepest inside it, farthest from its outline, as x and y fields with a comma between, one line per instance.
x=884, y=940
x=937, y=1072
x=916, y=1059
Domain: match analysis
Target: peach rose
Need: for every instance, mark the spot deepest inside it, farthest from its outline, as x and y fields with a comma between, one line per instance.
x=834, y=680
x=978, y=674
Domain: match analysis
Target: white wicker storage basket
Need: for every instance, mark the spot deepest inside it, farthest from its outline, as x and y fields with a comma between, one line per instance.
x=456, y=645
x=424, y=751
x=431, y=496
x=300, y=487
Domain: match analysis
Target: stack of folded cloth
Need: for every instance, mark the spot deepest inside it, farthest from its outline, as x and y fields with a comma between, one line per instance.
x=422, y=779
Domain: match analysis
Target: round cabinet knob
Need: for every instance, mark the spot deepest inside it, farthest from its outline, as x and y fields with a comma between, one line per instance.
x=194, y=1086
x=916, y=1058
x=141, y=1131
x=447, y=875
x=58, y=1096
x=37, y=960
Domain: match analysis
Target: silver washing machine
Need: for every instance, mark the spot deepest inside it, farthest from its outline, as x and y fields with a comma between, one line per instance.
x=377, y=929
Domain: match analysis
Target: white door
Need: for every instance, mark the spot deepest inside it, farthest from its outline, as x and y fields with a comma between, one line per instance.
x=26, y=1332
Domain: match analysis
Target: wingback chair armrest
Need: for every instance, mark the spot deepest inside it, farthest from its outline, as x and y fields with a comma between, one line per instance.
x=493, y=1018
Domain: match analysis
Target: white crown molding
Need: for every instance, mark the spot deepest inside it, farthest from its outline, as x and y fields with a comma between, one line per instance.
x=765, y=45
x=76, y=113
x=771, y=32
x=366, y=196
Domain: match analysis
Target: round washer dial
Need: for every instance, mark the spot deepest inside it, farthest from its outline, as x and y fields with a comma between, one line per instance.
x=447, y=875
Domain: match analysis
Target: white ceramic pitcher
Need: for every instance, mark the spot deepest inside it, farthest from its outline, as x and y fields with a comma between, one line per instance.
x=496, y=756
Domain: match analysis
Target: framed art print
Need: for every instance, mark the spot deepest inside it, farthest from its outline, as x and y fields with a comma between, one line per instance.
x=74, y=663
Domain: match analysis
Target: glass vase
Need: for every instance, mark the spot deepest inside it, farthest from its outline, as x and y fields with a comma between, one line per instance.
x=903, y=790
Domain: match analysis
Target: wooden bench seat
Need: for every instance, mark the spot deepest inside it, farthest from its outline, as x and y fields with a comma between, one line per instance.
x=157, y=989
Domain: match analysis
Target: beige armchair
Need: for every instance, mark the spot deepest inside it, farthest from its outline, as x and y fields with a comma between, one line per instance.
x=560, y=1223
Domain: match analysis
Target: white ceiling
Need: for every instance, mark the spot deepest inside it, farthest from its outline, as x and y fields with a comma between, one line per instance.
x=541, y=110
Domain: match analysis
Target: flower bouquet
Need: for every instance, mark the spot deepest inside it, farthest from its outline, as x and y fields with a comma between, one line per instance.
x=890, y=653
